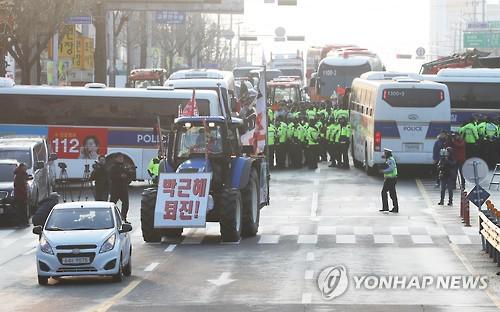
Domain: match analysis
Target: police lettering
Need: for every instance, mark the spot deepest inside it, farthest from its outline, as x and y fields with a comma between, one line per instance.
x=147, y=138
x=414, y=129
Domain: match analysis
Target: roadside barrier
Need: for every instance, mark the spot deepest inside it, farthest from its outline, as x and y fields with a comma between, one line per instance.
x=489, y=227
x=464, y=208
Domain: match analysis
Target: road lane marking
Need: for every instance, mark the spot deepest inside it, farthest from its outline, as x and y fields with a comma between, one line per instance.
x=269, y=239
x=310, y=256
x=309, y=275
x=224, y=279
x=400, y=230
x=493, y=297
x=306, y=298
x=421, y=239
x=111, y=302
x=170, y=248
x=289, y=230
x=363, y=230
x=307, y=239
x=327, y=230
x=151, y=267
x=314, y=205
x=383, y=239
x=345, y=239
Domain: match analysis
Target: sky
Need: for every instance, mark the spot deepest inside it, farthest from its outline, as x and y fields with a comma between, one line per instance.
x=387, y=27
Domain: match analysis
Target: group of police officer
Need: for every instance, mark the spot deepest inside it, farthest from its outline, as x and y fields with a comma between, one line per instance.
x=306, y=134
x=482, y=139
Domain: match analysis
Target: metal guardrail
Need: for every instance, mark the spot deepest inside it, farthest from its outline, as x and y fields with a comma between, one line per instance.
x=489, y=228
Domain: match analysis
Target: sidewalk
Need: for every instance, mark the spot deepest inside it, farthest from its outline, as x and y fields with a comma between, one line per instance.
x=474, y=259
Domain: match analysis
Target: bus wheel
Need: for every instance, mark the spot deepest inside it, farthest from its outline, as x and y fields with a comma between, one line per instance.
x=369, y=170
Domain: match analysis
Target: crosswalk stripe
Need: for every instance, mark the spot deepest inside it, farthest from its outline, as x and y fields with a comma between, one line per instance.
x=421, y=239
x=307, y=239
x=269, y=239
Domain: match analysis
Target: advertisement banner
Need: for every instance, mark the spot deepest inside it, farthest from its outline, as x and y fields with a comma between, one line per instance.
x=182, y=200
x=78, y=143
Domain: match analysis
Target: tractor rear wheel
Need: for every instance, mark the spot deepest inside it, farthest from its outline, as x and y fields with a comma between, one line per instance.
x=251, y=211
x=230, y=215
x=148, y=203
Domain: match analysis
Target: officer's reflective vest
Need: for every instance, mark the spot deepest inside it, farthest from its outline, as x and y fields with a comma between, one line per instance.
x=312, y=136
x=154, y=167
x=490, y=130
x=469, y=132
x=394, y=172
x=282, y=132
x=271, y=133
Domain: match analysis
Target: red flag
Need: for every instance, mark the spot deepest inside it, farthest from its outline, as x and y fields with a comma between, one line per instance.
x=191, y=109
x=340, y=91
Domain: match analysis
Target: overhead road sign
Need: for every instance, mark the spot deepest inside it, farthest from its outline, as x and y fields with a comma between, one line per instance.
x=170, y=17
x=287, y=2
x=482, y=40
x=202, y=6
x=76, y=20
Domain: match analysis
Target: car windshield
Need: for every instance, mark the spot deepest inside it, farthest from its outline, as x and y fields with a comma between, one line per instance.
x=80, y=219
x=193, y=140
x=7, y=172
x=21, y=155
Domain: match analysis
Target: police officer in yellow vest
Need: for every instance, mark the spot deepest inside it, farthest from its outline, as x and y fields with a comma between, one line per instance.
x=471, y=137
x=344, y=142
x=390, y=180
x=312, y=147
x=154, y=168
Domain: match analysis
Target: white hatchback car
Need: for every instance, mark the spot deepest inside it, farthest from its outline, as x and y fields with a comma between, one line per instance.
x=84, y=238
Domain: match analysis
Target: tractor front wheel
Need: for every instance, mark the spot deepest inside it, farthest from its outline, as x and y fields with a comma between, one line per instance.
x=231, y=215
x=148, y=203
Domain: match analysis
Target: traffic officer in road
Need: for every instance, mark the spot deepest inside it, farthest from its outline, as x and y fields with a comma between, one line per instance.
x=281, y=148
x=390, y=179
x=344, y=141
x=312, y=146
x=331, y=137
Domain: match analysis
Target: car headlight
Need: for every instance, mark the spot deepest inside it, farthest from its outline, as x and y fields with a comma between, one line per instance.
x=45, y=246
x=109, y=244
x=12, y=193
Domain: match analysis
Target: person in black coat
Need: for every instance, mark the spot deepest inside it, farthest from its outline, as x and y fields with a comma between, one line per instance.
x=101, y=178
x=447, y=174
x=119, y=176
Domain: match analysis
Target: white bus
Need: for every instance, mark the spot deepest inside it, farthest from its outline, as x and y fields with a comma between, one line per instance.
x=399, y=113
x=474, y=92
x=82, y=123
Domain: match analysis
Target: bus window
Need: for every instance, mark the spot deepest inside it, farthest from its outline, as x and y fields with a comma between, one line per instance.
x=413, y=97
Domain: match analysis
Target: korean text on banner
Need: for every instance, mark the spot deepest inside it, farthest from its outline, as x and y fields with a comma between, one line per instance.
x=182, y=200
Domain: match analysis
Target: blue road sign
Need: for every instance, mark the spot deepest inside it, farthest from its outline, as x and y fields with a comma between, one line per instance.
x=478, y=196
x=170, y=17
x=75, y=20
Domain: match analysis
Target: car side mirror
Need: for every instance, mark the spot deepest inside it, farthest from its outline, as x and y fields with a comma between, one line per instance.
x=52, y=157
x=39, y=165
x=126, y=227
x=37, y=230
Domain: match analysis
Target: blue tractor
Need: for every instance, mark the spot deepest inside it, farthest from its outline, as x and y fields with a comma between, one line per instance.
x=239, y=186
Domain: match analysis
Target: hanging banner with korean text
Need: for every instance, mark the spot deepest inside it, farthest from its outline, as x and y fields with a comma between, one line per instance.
x=182, y=200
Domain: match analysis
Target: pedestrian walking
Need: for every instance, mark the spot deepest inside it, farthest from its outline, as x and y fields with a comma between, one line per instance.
x=447, y=175
x=390, y=179
x=119, y=184
x=100, y=177
x=21, y=179
x=438, y=145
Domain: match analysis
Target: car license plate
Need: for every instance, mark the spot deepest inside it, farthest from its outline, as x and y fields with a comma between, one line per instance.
x=76, y=260
x=412, y=147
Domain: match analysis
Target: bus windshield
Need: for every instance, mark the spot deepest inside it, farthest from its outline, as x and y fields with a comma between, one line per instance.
x=285, y=94
x=330, y=77
x=193, y=141
x=474, y=95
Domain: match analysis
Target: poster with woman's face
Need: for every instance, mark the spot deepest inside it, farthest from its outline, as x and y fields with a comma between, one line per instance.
x=78, y=143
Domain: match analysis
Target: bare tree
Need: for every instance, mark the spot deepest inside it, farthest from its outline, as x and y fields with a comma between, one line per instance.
x=34, y=25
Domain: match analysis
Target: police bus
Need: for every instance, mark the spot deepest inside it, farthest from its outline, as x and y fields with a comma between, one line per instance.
x=339, y=70
x=400, y=113
x=81, y=123
x=473, y=93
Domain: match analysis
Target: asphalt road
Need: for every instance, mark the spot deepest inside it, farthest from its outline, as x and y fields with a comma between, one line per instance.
x=317, y=219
